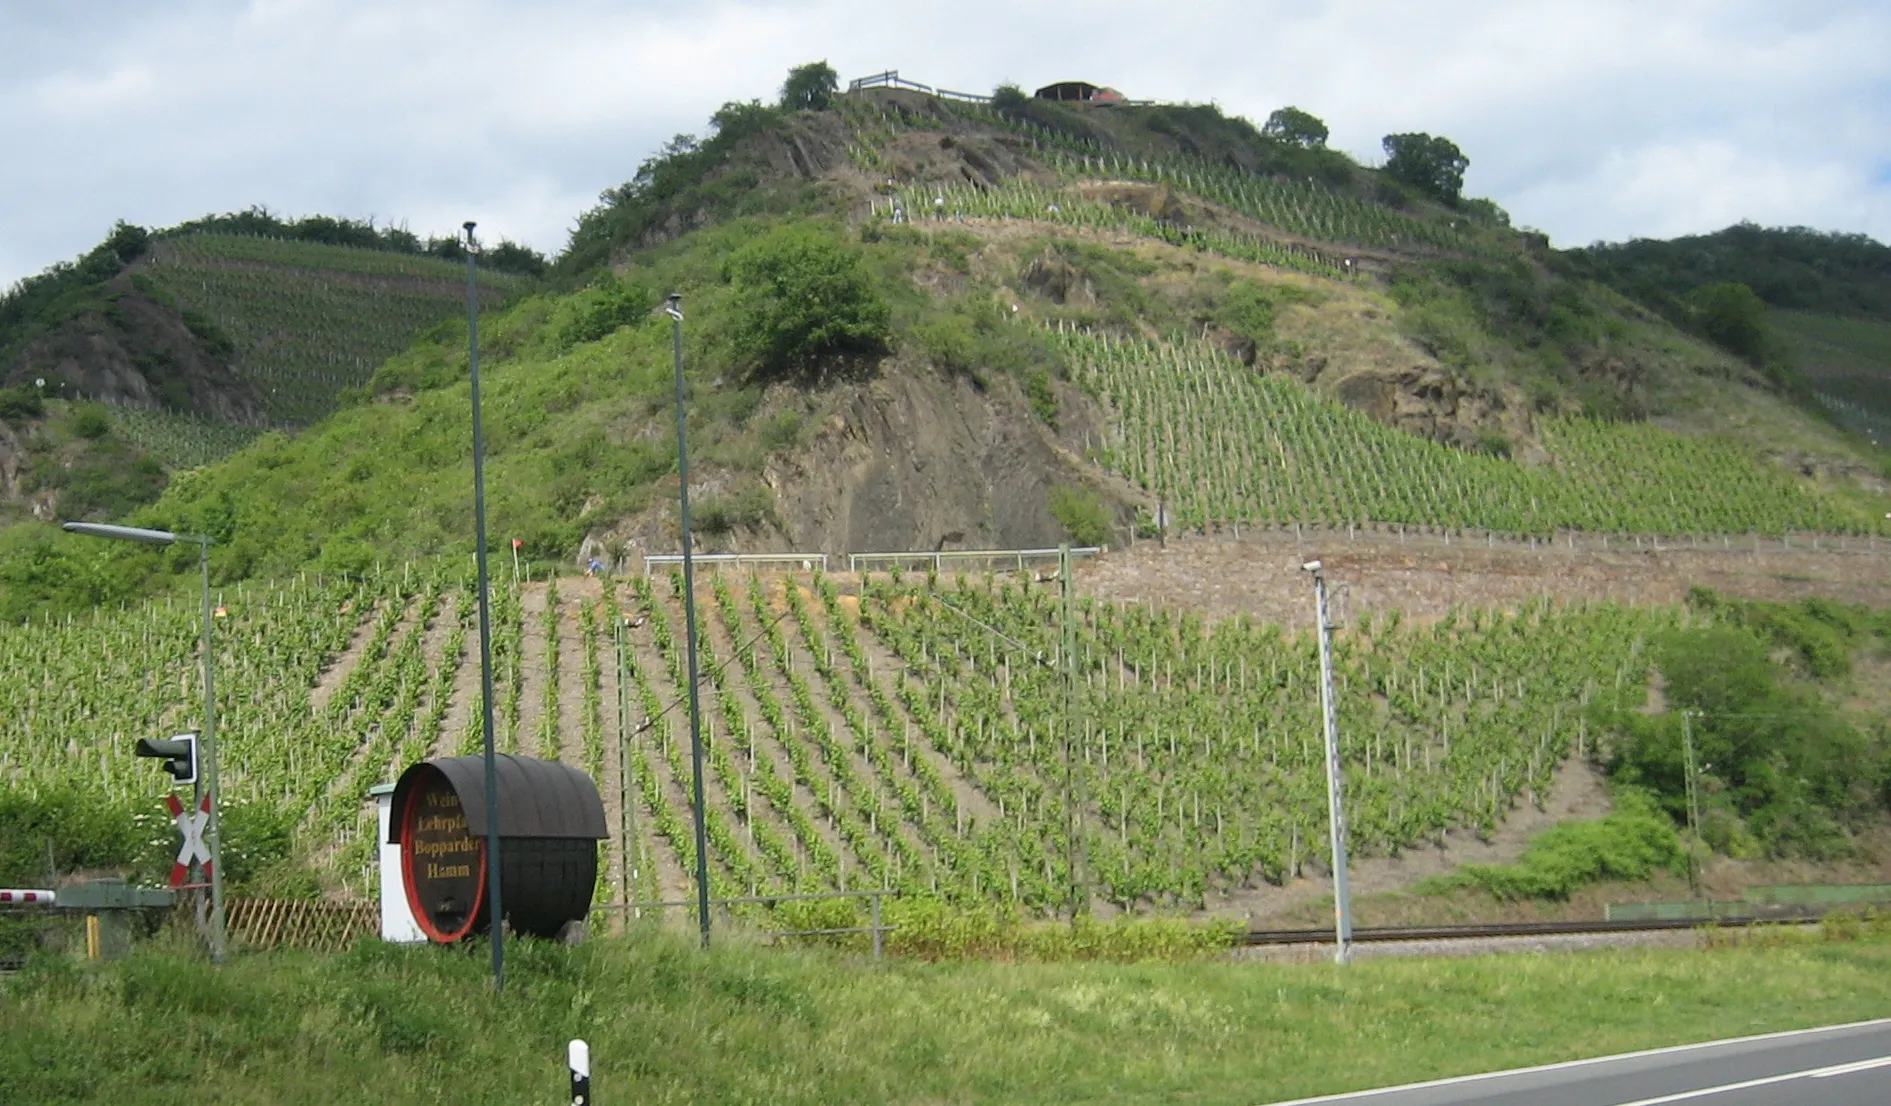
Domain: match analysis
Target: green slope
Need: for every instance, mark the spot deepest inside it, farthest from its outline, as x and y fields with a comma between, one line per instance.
x=306, y=321
x=1848, y=362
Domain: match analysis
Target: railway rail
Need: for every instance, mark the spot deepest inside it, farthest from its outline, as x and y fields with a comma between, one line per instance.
x=1373, y=934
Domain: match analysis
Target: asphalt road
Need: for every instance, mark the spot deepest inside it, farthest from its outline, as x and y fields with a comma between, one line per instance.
x=1843, y=1065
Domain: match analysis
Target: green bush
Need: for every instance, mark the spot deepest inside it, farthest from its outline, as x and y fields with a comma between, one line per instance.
x=1770, y=750
x=748, y=506
x=802, y=302
x=1037, y=388
x=20, y=403
x=602, y=309
x=1729, y=315
x=89, y=420
x=1633, y=843
x=1084, y=517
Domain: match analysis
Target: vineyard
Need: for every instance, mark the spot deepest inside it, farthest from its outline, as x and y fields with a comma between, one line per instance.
x=307, y=320
x=1019, y=199
x=919, y=734
x=1298, y=208
x=1222, y=444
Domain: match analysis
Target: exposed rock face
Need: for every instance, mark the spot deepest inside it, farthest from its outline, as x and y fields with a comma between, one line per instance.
x=1428, y=402
x=138, y=354
x=1059, y=281
x=920, y=460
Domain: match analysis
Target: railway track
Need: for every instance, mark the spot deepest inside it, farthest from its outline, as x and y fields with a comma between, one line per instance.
x=1373, y=934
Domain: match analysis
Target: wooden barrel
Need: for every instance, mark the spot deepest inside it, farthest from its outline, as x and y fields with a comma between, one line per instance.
x=550, y=821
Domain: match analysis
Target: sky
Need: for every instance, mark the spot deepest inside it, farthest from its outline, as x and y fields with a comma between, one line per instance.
x=1589, y=119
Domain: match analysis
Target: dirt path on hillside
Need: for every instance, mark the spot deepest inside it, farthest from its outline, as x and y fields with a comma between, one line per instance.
x=1258, y=572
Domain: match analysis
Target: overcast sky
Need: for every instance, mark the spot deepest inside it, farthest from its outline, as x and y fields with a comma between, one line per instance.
x=1590, y=119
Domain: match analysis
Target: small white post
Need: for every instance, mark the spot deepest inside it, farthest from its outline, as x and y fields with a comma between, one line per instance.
x=578, y=1057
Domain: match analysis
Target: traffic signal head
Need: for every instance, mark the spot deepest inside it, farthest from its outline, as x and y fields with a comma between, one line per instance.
x=179, y=753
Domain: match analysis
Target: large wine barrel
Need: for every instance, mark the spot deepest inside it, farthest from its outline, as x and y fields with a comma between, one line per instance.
x=550, y=821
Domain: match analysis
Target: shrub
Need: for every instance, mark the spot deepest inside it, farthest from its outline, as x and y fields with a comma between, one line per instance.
x=604, y=307
x=1084, y=517
x=1631, y=844
x=802, y=299
x=747, y=507
x=1037, y=387
x=89, y=420
x=20, y=403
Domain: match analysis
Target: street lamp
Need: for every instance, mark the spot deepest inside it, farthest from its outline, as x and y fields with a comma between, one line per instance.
x=673, y=306
x=1335, y=780
x=496, y=910
x=209, y=741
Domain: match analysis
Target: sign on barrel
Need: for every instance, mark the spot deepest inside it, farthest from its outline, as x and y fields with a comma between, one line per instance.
x=550, y=821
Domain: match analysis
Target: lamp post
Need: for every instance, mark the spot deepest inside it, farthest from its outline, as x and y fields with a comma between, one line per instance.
x=674, y=307
x=209, y=741
x=497, y=914
x=1335, y=779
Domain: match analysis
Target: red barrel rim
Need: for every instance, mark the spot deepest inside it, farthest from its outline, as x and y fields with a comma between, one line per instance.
x=422, y=917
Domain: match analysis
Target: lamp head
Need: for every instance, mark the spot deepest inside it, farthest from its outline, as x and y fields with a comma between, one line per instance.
x=1311, y=566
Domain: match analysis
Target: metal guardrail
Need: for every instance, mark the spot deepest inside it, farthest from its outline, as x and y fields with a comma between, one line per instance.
x=806, y=562
x=864, y=562
x=875, y=926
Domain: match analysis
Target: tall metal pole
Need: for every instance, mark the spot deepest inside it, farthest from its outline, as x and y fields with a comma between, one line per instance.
x=625, y=852
x=1335, y=804
x=496, y=915
x=1073, y=785
x=675, y=308
x=217, y=934
x=1693, y=801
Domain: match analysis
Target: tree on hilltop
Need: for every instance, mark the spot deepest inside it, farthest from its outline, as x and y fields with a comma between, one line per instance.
x=1432, y=164
x=1294, y=127
x=810, y=87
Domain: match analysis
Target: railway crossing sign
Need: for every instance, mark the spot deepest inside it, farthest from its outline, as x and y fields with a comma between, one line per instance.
x=190, y=823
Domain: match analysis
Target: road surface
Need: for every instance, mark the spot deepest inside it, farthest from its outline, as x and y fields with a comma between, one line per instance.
x=1842, y=1065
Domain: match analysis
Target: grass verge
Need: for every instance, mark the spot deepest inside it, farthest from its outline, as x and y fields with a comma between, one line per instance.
x=741, y=1024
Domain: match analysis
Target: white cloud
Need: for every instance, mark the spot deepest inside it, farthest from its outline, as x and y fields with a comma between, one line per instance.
x=1588, y=118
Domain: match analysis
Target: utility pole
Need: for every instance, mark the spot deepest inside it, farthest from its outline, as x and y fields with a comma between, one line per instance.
x=1335, y=799
x=1692, y=767
x=1073, y=772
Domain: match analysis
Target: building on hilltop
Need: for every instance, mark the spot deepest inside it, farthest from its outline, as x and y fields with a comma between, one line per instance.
x=1080, y=92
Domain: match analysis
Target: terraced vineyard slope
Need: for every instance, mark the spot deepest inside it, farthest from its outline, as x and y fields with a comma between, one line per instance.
x=304, y=320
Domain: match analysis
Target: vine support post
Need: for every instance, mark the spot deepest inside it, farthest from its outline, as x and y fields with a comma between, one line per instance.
x=1335, y=799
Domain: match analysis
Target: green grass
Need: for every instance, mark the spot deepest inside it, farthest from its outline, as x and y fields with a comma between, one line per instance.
x=740, y=1024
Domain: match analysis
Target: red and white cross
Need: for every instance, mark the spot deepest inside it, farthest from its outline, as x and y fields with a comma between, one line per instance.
x=191, y=824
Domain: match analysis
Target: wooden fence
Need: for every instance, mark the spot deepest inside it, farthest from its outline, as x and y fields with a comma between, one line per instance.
x=294, y=924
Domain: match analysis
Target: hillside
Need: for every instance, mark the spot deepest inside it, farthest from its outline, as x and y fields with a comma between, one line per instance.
x=190, y=341
x=913, y=323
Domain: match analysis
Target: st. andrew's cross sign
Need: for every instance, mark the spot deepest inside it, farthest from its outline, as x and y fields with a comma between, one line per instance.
x=190, y=823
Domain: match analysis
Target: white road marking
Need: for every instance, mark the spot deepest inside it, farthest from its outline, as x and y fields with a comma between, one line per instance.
x=1809, y=1073
x=1567, y=1064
